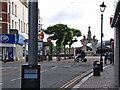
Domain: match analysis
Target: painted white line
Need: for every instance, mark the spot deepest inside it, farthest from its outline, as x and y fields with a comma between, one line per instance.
x=47, y=69
x=54, y=67
x=44, y=71
x=82, y=81
x=15, y=79
x=85, y=79
x=1, y=83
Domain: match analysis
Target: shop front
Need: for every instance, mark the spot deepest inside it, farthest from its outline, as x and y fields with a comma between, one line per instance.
x=7, y=45
x=11, y=47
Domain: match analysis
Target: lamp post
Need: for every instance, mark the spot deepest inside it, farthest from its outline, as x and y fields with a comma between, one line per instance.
x=102, y=9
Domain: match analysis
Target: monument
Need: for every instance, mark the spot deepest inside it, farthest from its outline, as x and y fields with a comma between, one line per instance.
x=87, y=40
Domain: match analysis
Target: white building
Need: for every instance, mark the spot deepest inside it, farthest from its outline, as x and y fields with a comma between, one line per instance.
x=13, y=35
x=19, y=16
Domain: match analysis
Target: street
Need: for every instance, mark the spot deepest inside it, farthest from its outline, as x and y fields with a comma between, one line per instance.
x=54, y=74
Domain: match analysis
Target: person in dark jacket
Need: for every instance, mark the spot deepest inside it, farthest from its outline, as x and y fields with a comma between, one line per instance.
x=82, y=55
x=106, y=57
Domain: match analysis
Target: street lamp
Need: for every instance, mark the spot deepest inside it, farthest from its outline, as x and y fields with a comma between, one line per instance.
x=102, y=9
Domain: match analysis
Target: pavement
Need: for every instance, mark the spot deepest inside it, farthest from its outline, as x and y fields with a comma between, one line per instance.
x=103, y=82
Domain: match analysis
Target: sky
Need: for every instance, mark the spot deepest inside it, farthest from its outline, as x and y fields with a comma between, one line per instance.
x=78, y=14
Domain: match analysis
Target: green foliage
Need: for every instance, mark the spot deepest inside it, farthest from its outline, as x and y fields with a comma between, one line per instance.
x=62, y=34
x=57, y=33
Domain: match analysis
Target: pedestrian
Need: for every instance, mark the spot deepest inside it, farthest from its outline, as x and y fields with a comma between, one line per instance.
x=111, y=57
x=5, y=59
x=106, y=56
x=82, y=55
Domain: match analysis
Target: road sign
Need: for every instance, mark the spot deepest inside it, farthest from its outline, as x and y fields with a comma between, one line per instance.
x=49, y=39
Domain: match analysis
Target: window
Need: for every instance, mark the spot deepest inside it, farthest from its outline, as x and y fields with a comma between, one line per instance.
x=19, y=24
x=15, y=25
x=8, y=29
x=16, y=10
x=24, y=28
x=12, y=24
x=12, y=8
x=8, y=8
x=1, y=7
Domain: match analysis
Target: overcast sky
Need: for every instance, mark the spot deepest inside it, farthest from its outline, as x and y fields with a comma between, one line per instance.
x=78, y=14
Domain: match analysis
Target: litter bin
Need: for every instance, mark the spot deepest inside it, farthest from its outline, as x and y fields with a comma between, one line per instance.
x=96, y=68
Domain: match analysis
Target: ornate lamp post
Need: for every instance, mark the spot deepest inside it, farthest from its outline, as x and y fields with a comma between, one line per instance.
x=102, y=9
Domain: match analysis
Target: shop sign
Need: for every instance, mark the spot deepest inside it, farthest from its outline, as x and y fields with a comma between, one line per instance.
x=49, y=39
x=21, y=39
x=8, y=38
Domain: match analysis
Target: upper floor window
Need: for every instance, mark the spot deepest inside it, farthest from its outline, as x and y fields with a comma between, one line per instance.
x=12, y=8
x=0, y=7
x=15, y=25
x=12, y=24
x=15, y=10
x=19, y=24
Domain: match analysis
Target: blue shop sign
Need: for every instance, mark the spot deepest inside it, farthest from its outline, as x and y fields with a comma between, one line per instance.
x=21, y=39
x=8, y=38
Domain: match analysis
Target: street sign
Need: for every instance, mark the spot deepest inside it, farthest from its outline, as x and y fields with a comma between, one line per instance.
x=30, y=76
x=49, y=39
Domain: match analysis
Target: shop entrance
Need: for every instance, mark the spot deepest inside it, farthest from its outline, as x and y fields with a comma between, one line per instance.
x=6, y=53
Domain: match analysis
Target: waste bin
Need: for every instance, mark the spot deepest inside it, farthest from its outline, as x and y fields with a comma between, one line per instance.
x=96, y=68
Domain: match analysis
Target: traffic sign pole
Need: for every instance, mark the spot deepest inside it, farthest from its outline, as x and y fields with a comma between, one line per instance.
x=31, y=72
x=33, y=33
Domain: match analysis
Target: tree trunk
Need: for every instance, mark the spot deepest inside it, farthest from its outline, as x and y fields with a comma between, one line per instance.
x=69, y=52
x=64, y=53
x=58, y=53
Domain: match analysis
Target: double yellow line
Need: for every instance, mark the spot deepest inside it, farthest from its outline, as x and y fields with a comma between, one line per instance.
x=75, y=79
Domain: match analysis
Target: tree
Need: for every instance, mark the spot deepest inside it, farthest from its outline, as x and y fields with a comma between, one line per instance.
x=57, y=33
x=68, y=38
x=63, y=35
x=76, y=33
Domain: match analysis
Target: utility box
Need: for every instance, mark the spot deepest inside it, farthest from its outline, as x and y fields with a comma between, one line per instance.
x=30, y=77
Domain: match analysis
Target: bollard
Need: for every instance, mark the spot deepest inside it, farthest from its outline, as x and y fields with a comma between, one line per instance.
x=96, y=68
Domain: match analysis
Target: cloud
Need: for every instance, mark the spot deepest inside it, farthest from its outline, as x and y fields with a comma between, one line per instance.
x=70, y=13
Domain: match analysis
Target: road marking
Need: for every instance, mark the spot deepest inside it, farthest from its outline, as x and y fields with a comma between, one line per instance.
x=82, y=81
x=44, y=71
x=85, y=79
x=48, y=69
x=1, y=83
x=54, y=67
x=75, y=79
x=15, y=79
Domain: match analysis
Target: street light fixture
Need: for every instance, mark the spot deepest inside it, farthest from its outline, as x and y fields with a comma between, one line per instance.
x=102, y=9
